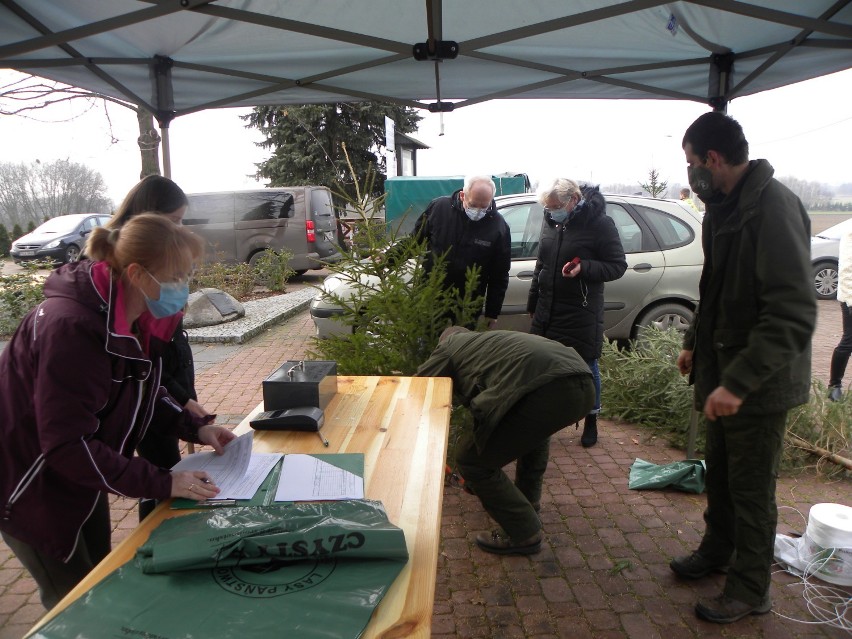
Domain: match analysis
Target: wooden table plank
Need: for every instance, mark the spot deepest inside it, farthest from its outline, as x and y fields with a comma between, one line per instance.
x=401, y=425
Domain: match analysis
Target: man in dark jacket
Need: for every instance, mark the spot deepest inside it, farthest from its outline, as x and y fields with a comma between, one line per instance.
x=748, y=352
x=520, y=389
x=468, y=229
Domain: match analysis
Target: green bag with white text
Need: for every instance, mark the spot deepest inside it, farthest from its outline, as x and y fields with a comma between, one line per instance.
x=308, y=570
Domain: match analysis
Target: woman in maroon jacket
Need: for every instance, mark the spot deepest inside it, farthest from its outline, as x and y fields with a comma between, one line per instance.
x=79, y=386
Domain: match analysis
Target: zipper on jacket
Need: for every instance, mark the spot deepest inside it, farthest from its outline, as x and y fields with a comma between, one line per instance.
x=25, y=481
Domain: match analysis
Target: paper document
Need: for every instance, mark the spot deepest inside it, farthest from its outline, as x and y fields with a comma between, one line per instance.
x=238, y=472
x=306, y=478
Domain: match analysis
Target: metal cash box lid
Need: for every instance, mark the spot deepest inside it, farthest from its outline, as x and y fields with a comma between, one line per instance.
x=300, y=383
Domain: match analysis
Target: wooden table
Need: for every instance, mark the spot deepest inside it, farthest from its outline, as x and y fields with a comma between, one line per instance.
x=401, y=426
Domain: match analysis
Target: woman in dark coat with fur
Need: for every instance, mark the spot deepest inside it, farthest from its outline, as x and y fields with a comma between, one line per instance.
x=566, y=300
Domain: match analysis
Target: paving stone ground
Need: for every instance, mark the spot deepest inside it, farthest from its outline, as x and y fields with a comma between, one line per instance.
x=603, y=572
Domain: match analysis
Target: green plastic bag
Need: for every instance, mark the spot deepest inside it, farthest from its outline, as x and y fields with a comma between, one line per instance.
x=309, y=570
x=687, y=475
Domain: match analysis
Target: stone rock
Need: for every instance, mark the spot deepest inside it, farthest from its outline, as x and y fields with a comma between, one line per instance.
x=210, y=306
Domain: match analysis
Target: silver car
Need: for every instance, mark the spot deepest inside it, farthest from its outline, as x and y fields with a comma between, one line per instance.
x=825, y=247
x=662, y=241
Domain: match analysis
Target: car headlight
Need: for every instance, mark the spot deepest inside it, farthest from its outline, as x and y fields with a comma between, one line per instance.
x=53, y=244
x=331, y=283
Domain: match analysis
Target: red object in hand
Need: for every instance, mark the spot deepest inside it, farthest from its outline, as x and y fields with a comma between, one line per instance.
x=570, y=266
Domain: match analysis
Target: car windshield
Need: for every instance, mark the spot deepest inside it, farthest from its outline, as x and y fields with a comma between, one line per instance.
x=61, y=224
x=837, y=231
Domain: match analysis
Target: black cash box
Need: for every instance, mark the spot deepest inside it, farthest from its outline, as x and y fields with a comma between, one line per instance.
x=300, y=383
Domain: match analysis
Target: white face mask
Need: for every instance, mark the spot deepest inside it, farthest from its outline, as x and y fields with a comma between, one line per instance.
x=475, y=214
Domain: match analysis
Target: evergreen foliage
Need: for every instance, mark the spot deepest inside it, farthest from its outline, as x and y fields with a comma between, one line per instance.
x=17, y=232
x=397, y=310
x=5, y=241
x=306, y=142
x=654, y=186
x=642, y=385
x=31, y=226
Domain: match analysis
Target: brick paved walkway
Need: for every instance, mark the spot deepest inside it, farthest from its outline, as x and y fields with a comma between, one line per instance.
x=593, y=525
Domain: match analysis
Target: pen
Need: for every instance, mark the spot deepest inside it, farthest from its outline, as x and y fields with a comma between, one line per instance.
x=206, y=481
x=209, y=503
x=323, y=439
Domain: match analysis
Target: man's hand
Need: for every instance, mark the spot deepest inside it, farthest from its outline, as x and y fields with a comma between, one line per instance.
x=215, y=436
x=486, y=323
x=684, y=362
x=721, y=403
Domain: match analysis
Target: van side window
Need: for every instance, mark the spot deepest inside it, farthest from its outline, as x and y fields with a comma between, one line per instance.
x=210, y=208
x=264, y=206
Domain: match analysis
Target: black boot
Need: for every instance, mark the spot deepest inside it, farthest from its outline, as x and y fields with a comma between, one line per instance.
x=590, y=431
x=839, y=360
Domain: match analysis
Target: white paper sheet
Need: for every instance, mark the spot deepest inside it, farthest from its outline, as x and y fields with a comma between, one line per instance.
x=306, y=478
x=238, y=472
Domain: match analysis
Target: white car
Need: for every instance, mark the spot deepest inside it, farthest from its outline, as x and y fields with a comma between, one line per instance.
x=825, y=247
x=662, y=242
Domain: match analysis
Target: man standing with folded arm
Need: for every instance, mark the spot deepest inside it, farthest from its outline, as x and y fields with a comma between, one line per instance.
x=520, y=389
x=748, y=353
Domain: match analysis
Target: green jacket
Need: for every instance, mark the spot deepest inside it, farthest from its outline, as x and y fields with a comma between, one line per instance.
x=491, y=371
x=752, y=332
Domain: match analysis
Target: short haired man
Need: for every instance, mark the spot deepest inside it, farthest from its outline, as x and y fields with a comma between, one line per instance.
x=520, y=389
x=467, y=228
x=684, y=197
x=748, y=352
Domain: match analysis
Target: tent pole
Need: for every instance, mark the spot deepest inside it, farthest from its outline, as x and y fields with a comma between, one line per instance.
x=167, y=152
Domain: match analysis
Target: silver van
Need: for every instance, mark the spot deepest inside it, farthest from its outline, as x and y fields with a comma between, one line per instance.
x=240, y=225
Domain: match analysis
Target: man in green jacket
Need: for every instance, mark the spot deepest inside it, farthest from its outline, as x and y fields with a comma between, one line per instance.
x=748, y=353
x=520, y=389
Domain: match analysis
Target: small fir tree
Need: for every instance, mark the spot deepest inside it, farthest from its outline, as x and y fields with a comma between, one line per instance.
x=654, y=186
x=5, y=241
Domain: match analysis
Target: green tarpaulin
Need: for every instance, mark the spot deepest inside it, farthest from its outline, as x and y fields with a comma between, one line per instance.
x=687, y=475
x=305, y=570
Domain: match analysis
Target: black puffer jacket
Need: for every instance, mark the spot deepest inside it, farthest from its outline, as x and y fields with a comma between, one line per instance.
x=570, y=310
x=486, y=242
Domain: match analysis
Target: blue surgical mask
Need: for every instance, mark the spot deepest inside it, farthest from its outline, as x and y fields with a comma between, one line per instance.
x=475, y=214
x=559, y=215
x=173, y=297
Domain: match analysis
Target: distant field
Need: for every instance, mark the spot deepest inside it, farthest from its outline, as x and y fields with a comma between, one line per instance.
x=822, y=220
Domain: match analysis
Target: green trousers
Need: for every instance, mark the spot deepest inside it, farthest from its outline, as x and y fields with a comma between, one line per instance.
x=743, y=453
x=523, y=435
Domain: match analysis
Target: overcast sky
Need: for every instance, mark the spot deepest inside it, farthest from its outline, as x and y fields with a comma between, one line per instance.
x=804, y=130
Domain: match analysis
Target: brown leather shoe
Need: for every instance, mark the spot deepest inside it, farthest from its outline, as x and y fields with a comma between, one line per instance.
x=723, y=609
x=499, y=543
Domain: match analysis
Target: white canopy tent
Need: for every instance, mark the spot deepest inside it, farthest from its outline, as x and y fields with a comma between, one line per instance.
x=175, y=57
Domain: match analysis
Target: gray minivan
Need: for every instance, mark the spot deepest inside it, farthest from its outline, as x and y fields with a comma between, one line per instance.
x=240, y=225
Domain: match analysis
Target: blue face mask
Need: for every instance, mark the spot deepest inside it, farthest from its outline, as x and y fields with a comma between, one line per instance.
x=559, y=215
x=173, y=297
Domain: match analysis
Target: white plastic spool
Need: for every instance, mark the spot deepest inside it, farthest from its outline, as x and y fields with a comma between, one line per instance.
x=827, y=543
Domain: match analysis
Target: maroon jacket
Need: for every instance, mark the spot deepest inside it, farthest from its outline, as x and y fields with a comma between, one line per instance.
x=77, y=392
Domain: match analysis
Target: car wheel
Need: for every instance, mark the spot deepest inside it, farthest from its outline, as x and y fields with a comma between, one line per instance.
x=255, y=257
x=664, y=317
x=825, y=280
x=72, y=253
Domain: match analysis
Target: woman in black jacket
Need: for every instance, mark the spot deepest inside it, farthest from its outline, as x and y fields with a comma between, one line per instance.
x=157, y=194
x=579, y=250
